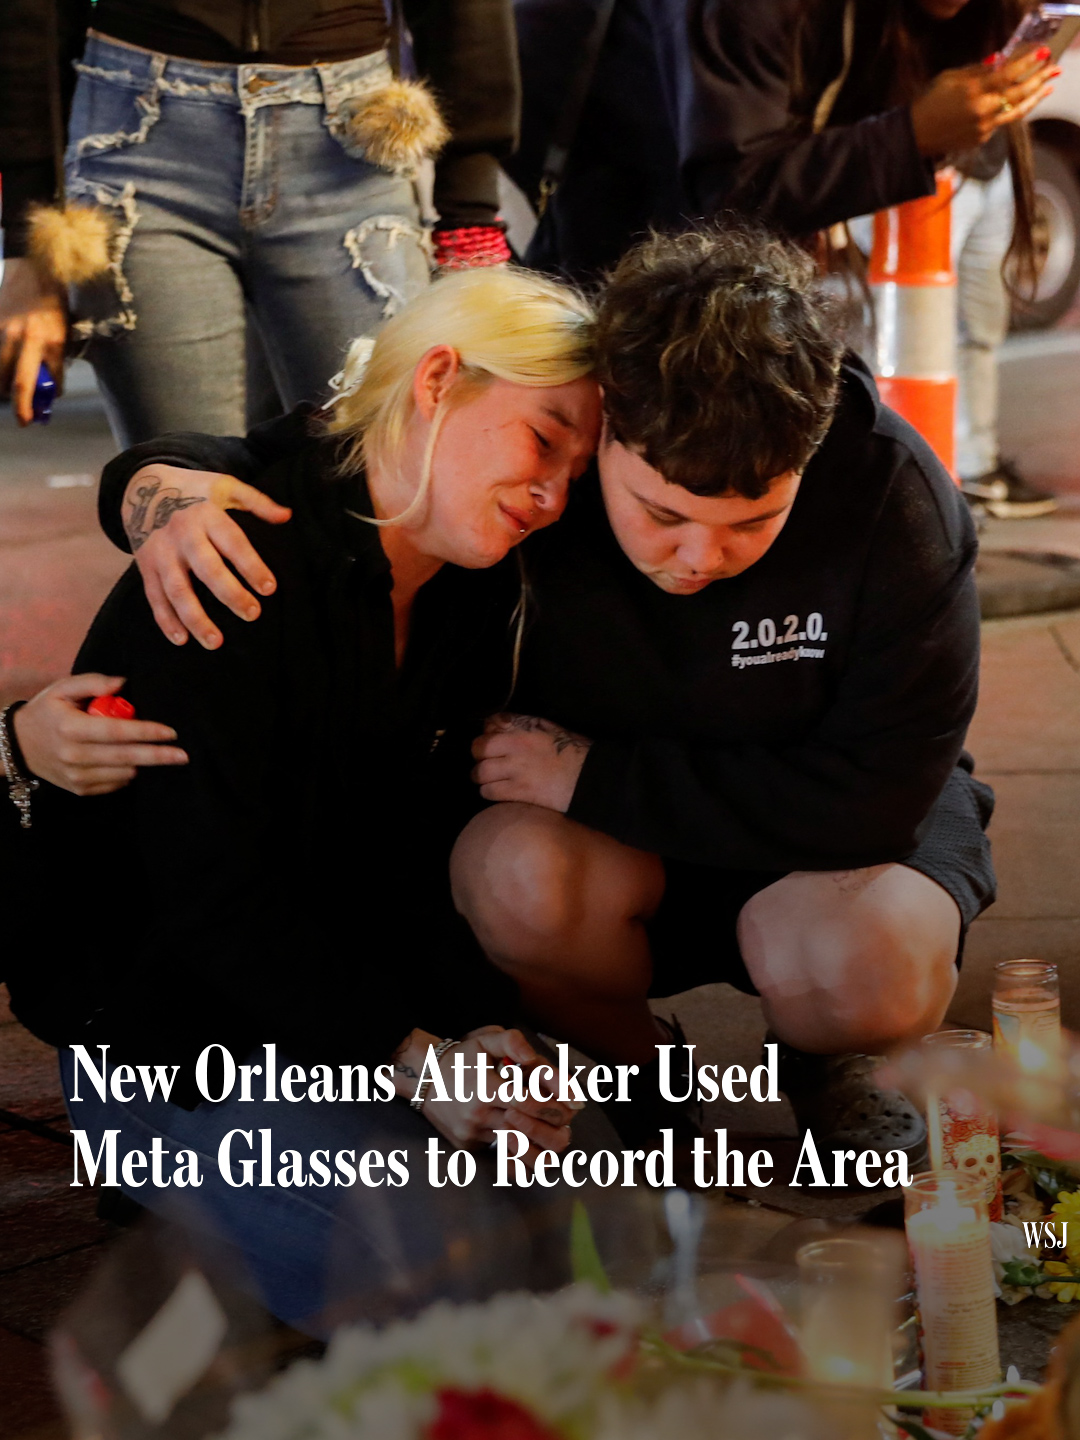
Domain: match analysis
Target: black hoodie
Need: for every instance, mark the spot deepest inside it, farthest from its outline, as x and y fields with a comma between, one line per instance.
x=803, y=715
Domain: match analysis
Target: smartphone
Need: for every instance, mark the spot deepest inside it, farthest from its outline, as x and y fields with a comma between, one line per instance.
x=44, y=395
x=1054, y=25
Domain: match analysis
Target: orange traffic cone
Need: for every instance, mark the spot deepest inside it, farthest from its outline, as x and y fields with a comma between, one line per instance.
x=913, y=284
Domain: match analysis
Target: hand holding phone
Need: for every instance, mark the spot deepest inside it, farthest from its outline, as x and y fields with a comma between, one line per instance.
x=961, y=109
x=1053, y=25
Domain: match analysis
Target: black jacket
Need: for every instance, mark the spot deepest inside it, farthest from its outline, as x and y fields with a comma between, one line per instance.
x=688, y=116
x=290, y=883
x=464, y=48
x=805, y=714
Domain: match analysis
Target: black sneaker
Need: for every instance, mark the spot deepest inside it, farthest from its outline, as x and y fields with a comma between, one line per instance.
x=1005, y=495
x=836, y=1099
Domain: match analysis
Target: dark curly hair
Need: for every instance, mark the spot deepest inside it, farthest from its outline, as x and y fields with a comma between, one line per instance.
x=719, y=355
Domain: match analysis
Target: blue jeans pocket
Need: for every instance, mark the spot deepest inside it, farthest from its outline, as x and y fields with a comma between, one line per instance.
x=111, y=110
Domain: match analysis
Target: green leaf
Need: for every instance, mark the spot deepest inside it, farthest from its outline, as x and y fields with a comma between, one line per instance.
x=1022, y=1273
x=1053, y=1177
x=585, y=1263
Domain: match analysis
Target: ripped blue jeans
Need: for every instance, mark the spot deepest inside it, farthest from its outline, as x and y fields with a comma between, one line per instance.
x=239, y=198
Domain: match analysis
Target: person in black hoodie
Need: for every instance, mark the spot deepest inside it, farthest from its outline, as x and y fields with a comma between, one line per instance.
x=744, y=691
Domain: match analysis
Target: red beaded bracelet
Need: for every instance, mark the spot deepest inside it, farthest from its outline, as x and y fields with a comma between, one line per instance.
x=471, y=246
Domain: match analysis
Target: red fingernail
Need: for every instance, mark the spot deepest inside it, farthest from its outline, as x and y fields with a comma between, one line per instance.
x=1043, y=52
x=991, y=59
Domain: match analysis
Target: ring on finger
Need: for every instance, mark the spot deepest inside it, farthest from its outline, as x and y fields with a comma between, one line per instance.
x=1006, y=106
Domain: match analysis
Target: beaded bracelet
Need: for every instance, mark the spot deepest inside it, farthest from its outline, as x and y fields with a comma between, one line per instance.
x=20, y=787
x=421, y=1089
x=471, y=246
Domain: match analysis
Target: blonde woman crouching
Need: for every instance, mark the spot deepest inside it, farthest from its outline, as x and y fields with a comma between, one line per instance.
x=278, y=873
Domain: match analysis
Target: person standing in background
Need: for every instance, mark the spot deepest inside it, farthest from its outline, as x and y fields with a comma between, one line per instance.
x=236, y=162
x=803, y=114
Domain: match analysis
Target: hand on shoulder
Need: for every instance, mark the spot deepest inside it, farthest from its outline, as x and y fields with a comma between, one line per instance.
x=178, y=525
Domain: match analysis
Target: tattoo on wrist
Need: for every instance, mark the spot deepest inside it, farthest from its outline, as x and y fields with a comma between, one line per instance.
x=153, y=508
x=561, y=738
x=567, y=740
x=407, y=1070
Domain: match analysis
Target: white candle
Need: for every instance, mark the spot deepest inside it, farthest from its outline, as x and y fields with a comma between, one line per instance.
x=949, y=1235
x=1027, y=1014
x=848, y=1288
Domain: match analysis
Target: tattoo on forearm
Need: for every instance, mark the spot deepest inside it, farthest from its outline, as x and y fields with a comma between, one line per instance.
x=153, y=508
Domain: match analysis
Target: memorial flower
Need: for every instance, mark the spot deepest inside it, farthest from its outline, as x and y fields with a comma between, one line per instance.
x=1063, y=1290
x=1066, y=1209
x=517, y=1367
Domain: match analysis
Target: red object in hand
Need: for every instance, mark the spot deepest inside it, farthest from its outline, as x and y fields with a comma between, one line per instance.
x=112, y=707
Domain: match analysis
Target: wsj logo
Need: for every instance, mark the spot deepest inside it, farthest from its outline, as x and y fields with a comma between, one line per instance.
x=773, y=641
x=1041, y=1234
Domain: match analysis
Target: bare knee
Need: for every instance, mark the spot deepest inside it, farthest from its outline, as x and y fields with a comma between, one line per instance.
x=860, y=968
x=529, y=880
x=512, y=869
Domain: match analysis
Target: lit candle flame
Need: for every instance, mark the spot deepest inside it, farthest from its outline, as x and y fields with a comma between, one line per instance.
x=1030, y=1057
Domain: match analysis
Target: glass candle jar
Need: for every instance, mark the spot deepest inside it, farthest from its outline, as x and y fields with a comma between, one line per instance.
x=963, y=1130
x=1027, y=1013
x=847, y=1302
x=948, y=1231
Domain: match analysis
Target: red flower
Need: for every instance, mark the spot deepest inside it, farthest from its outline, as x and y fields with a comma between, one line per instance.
x=484, y=1415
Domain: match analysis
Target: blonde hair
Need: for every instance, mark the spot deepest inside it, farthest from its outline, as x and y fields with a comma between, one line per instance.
x=504, y=324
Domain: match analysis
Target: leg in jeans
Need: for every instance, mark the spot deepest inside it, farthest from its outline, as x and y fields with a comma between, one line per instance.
x=183, y=366
x=333, y=243
x=157, y=145
x=982, y=216
x=851, y=960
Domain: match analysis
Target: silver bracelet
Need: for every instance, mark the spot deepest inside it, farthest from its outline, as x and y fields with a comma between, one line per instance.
x=421, y=1089
x=20, y=786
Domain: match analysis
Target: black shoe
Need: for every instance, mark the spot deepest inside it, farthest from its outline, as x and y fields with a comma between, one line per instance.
x=836, y=1099
x=1005, y=494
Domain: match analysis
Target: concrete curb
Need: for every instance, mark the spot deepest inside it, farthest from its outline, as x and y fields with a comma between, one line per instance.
x=1026, y=582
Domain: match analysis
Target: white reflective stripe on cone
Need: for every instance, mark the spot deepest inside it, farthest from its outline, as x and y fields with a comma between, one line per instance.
x=916, y=330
